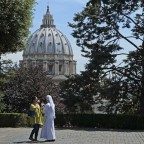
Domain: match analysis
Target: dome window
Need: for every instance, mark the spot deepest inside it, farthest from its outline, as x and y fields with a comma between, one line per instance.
x=65, y=43
x=50, y=68
x=58, y=43
x=60, y=68
x=42, y=35
x=49, y=34
x=50, y=43
x=35, y=36
x=56, y=34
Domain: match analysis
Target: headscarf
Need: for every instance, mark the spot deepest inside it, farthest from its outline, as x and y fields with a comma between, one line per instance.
x=49, y=98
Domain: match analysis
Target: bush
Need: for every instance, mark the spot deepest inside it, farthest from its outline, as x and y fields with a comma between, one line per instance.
x=13, y=120
x=133, y=122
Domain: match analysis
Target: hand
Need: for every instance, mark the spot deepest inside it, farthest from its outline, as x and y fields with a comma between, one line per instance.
x=42, y=105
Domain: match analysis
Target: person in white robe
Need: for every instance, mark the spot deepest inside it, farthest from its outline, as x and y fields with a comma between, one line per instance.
x=48, y=129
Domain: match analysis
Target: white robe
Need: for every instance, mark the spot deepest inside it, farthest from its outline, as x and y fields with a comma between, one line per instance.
x=48, y=130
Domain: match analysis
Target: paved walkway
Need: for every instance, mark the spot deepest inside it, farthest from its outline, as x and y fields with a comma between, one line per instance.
x=74, y=136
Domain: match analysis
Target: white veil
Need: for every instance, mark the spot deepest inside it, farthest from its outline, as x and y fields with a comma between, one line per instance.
x=49, y=98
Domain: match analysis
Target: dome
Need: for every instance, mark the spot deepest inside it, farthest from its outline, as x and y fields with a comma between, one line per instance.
x=48, y=40
x=51, y=49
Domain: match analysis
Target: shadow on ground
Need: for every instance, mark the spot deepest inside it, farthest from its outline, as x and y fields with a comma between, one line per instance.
x=33, y=142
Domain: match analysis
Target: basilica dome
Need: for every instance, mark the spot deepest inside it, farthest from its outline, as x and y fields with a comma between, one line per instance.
x=48, y=39
x=49, y=47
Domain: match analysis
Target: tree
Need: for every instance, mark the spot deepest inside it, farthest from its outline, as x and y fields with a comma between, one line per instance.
x=15, y=20
x=26, y=83
x=77, y=94
x=5, y=74
x=98, y=30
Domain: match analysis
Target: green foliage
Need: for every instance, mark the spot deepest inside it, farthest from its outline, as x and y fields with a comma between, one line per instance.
x=15, y=20
x=98, y=30
x=2, y=105
x=26, y=83
x=119, y=99
x=133, y=122
x=76, y=94
x=13, y=120
x=5, y=74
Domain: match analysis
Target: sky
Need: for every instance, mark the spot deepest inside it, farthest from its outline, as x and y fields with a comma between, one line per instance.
x=63, y=12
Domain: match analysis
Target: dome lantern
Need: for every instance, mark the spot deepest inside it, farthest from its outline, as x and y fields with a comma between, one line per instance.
x=48, y=20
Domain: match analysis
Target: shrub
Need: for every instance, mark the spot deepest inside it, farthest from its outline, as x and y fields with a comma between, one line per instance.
x=13, y=120
x=133, y=122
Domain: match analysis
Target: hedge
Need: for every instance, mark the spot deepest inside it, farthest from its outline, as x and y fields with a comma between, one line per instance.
x=13, y=120
x=133, y=122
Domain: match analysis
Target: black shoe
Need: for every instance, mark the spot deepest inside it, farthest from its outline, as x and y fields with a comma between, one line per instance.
x=50, y=140
x=35, y=140
x=30, y=138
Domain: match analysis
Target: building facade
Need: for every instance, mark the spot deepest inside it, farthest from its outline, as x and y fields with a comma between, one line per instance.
x=49, y=47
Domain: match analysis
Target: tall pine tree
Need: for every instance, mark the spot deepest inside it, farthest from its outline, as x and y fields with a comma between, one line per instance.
x=99, y=32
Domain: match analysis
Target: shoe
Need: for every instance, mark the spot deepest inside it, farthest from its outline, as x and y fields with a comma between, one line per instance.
x=30, y=138
x=50, y=140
